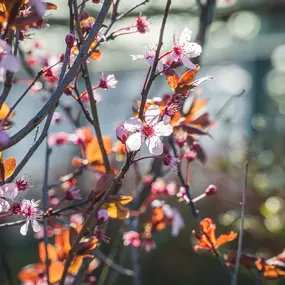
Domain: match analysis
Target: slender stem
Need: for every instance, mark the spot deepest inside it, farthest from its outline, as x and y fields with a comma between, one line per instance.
x=45, y=207
x=146, y=157
x=240, y=240
x=132, y=9
x=6, y=215
x=145, y=91
x=32, y=149
x=9, y=75
x=68, y=77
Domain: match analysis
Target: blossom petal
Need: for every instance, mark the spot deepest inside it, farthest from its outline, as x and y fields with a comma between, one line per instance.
x=193, y=50
x=36, y=226
x=133, y=124
x=134, y=142
x=185, y=36
x=4, y=205
x=11, y=63
x=24, y=228
x=152, y=114
x=186, y=62
x=10, y=190
x=155, y=145
x=163, y=130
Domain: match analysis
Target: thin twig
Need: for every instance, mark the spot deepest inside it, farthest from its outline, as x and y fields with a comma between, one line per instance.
x=45, y=207
x=145, y=91
x=240, y=240
x=52, y=102
x=32, y=149
x=132, y=9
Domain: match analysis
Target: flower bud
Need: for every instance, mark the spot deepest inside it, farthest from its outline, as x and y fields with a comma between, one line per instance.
x=122, y=134
x=102, y=216
x=22, y=184
x=211, y=190
x=195, y=146
x=190, y=155
x=70, y=39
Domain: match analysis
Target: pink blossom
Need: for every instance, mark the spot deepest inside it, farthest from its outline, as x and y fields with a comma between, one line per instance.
x=7, y=191
x=56, y=118
x=148, y=133
x=30, y=210
x=107, y=82
x=182, y=195
x=23, y=184
x=132, y=238
x=149, y=56
x=58, y=139
x=141, y=24
x=184, y=49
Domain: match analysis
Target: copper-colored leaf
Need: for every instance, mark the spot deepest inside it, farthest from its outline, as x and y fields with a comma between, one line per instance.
x=51, y=6
x=96, y=55
x=185, y=81
x=55, y=271
x=52, y=254
x=172, y=78
x=75, y=266
x=5, y=109
x=222, y=239
x=10, y=166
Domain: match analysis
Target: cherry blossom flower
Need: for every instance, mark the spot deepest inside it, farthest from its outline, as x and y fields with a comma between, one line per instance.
x=7, y=191
x=149, y=244
x=184, y=49
x=7, y=60
x=141, y=24
x=58, y=139
x=132, y=238
x=23, y=184
x=149, y=56
x=182, y=195
x=107, y=82
x=147, y=132
x=30, y=210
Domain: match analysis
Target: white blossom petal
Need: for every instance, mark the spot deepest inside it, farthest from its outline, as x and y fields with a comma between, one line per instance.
x=186, y=62
x=152, y=114
x=185, y=36
x=36, y=226
x=133, y=124
x=163, y=130
x=10, y=190
x=155, y=145
x=11, y=63
x=4, y=205
x=134, y=142
x=24, y=228
x=137, y=56
x=166, y=119
x=192, y=49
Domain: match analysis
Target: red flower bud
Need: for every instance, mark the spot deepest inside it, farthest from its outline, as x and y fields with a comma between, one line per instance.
x=70, y=39
x=211, y=190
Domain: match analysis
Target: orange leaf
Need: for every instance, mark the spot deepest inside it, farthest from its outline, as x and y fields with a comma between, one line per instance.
x=96, y=55
x=185, y=81
x=172, y=78
x=5, y=109
x=31, y=272
x=225, y=238
x=93, y=265
x=75, y=266
x=9, y=165
x=52, y=254
x=51, y=6
x=93, y=153
x=55, y=271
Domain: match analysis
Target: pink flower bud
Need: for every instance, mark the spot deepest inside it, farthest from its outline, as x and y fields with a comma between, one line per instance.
x=122, y=134
x=196, y=146
x=147, y=179
x=102, y=216
x=23, y=184
x=211, y=190
x=70, y=39
x=190, y=155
